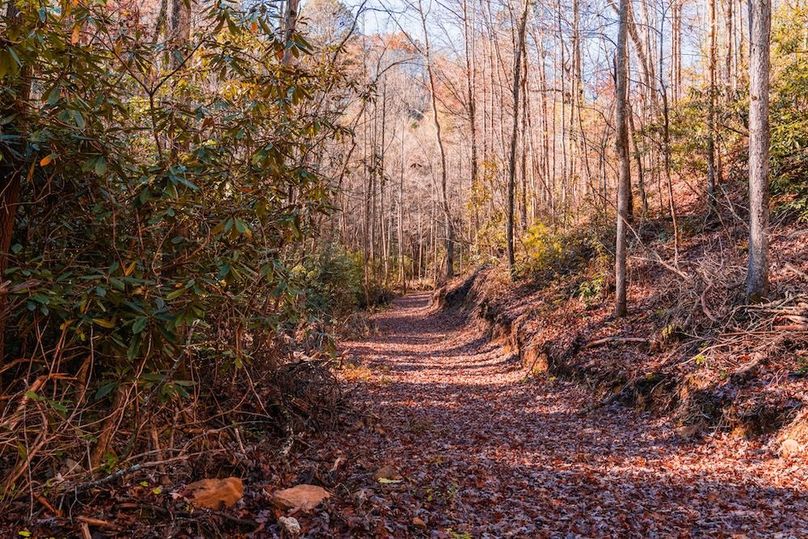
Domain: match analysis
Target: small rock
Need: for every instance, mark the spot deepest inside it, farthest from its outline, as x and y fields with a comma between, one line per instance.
x=386, y=472
x=290, y=525
x=70, y=466
x=789, y=448
x=418, y=522
x=214, y=493
x=303, y=497
x=688, y=431
x=362, y=495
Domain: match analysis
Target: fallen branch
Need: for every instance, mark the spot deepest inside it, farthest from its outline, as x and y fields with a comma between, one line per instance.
x=606, y=340
x=97, y=522
x=47, y=505
x=790, y=267
x=104, y=480
x=242, y=522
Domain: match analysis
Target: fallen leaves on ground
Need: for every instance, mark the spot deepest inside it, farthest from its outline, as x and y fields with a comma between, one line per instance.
x=452, y=439
x=488, y=452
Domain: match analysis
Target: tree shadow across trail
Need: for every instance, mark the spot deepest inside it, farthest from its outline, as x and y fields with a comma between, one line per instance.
x=486, y=451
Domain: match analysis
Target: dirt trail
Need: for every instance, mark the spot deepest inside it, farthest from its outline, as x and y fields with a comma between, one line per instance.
x=484, y=451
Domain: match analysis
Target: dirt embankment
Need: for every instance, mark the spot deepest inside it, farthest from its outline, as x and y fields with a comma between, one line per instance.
x=746, y=373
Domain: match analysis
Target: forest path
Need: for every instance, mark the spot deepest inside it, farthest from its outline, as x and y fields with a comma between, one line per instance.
x=483, y=450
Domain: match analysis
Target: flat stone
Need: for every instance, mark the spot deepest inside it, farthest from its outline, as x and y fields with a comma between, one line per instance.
x=303, y=497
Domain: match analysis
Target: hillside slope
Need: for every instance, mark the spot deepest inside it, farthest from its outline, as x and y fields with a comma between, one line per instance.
x=689, y=346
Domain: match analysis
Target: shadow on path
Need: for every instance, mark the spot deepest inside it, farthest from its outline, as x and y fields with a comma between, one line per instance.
x=485, y=450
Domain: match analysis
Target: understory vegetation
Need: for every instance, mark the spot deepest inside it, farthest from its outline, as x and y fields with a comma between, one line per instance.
x=162, y=259
x=200, y=198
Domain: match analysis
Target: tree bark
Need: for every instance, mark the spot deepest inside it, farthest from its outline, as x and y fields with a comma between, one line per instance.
x=11, y=170
x=439, y=139
x=711, y=167
x=290, y=24
x=624, y=178
x=472, y=106
x=180, y=28
x=517, y=73
x=757, y=276
x=401, y=268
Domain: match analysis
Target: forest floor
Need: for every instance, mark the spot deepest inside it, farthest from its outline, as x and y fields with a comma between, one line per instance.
x=457, y=441
x=447, y=435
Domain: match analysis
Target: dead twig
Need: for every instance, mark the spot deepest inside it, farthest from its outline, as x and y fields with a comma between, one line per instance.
x=606, y=340
x=97, y=522
x=47, y=505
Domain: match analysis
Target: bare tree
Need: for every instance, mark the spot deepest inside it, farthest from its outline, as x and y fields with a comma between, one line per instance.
x=624, y=178
x=471, y=95
x=442, y=150
x=757, y=277
x=517, y=73
x=711, y=165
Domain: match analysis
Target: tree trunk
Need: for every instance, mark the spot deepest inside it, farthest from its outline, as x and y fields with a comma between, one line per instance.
x=524, y=146
x=472, y=106
x=640, y=171
x=401, y=269
x=517, y=86
x=180, y=29
x=439, y=139
x=289, y=26
x=757, y=277
x=649, y=77
x=11, y=170
x=624, y=178
x=711, y=168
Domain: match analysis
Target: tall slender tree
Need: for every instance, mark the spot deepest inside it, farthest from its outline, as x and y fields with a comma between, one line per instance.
x=624, y=175
x=711, y=129
x=517, y=74
x=448, y=227
x=471, y=79
x=757, y=277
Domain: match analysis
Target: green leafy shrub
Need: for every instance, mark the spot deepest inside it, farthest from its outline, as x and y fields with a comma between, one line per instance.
x=544, y=253
x=789, y=113
x=334, y=280
x=542, y=249
x=590, y=290
x=167, y=204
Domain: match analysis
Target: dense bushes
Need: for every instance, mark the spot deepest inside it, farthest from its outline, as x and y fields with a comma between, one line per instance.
x=161, y=244
x=545, y=253
x=334, y=280
x=789, y=111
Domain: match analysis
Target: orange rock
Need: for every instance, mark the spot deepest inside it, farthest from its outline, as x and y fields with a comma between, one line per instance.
x=789, y=448
x=418, y=522
x=303, y=497
x=214, y=493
